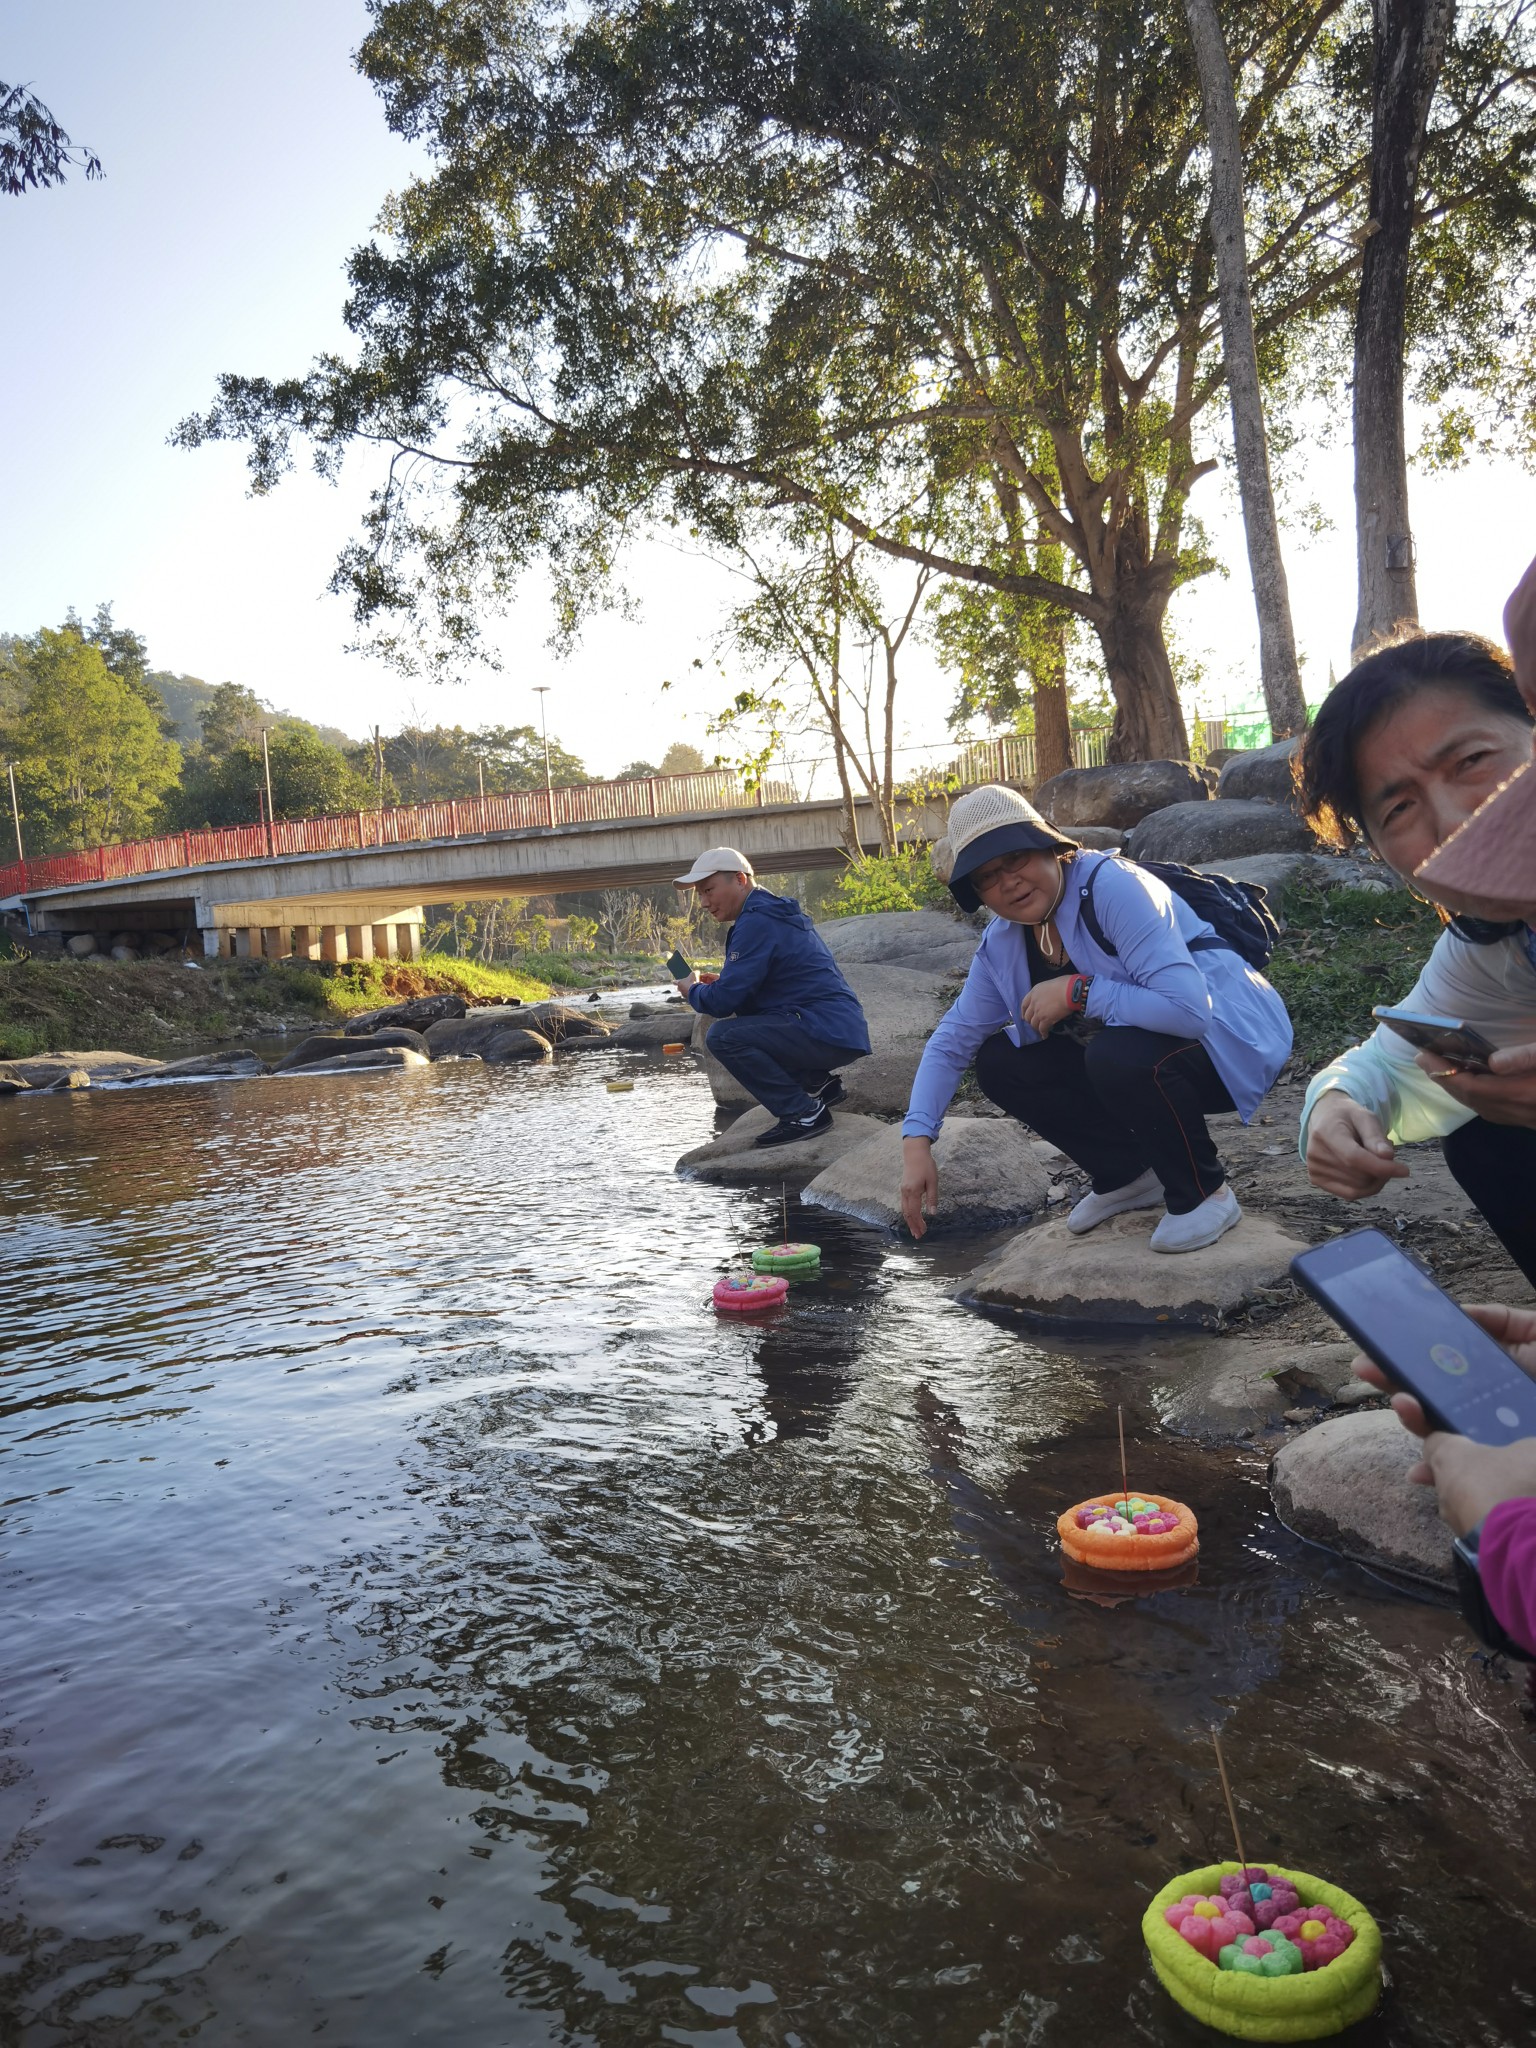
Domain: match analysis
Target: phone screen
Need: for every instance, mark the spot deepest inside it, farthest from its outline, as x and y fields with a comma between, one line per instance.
x=678, y=967
x=1420, y=1338
x=1447, y=1036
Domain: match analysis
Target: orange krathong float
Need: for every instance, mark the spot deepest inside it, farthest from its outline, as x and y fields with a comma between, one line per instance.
x=1137, y=1532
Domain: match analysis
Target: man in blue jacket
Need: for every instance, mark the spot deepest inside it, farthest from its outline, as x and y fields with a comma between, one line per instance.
x=786, y=1015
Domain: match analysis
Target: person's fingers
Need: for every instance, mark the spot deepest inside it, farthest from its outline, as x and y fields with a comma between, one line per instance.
x=1505, y=1325
x=1513, y=1059
x=1420, y=1474
x=1367, y=1369
x=1410, y=1414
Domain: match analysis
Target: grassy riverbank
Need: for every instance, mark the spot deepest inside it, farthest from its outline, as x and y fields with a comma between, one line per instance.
x=1342, y=951
x=162, y=1008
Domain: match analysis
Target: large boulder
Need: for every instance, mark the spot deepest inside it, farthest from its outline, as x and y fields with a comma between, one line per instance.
x=558, y=1021
x=468, y=1036
x=1231, y=1386
x=1219, y=829
x=1112, y=1275
x=415, y=1015
x=901, y=1007
x=1262, y=774
x=51, y=1069
x=309, y=1052
x=81, y=946
x=1098, y=838
x=1345, y=1483
x=515, y=1044
x=661, y=1027
x=1120, y=794
x=206, y=1066
x=989, y=1176
x=1276, y=871
x=734, y=1156
x=923, y=941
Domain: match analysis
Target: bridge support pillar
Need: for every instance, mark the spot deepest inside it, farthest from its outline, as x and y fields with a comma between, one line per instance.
x=247, y=938
x=359, y=941
x=306, y=942
x=407, y=941
x=333, y=942
x=275, y=942
x=213, y=942
x=383, y=941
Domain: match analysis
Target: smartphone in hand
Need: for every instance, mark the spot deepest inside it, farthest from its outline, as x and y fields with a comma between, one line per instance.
x=678, y=967
x=1448, y=1036
x=1422, y=1341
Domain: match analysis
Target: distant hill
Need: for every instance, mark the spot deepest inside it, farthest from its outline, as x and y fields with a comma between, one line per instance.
x=185, y=696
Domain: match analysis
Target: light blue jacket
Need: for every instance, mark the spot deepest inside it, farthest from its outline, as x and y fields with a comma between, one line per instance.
x=1156, y=984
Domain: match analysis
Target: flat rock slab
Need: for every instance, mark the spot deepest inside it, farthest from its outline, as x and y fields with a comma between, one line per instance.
x=734, y=1157
x=988, y=1176
x=1345, y=1484
x=661, y=1027
x=52, y=1069
x=924, y=940
x=1229, y=1386
x=356, y=1062
x=206, y=1066
x=1113, y=1276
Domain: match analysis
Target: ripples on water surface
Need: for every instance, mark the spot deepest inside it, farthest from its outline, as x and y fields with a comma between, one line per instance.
x=427, y=1621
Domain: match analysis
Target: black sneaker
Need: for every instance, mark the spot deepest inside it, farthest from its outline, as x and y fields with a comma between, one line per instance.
x=834, y=1093
x=789, y=1130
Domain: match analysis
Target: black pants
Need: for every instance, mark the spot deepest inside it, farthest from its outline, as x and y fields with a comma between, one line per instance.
x=1118, y=1103
x=1495, y=1167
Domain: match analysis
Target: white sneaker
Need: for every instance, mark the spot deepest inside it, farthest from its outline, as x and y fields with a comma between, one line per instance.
x=1214, y=1218
x=1145, y=1193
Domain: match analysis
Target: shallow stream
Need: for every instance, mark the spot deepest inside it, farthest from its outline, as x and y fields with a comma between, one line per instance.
x=425, y=1620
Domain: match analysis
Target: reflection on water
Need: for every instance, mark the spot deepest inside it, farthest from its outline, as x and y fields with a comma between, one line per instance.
x=430, y=1622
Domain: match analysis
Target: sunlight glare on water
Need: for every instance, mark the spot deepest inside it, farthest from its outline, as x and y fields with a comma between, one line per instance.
x=427, y=1620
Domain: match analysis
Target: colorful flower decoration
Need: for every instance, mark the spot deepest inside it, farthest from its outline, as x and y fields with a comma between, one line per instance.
x=1262, y=1897
x=1208, y=1924
x=1320, y=1935
x=1262, y=1955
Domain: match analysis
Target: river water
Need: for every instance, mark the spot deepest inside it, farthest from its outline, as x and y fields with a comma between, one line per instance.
x=425, y=1620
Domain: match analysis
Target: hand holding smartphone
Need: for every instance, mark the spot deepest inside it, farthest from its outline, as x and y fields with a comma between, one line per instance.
x=1448, y=1036
x=1425, y=1344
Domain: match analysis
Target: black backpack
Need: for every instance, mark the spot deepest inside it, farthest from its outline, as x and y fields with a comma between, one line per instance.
x=1238, y=912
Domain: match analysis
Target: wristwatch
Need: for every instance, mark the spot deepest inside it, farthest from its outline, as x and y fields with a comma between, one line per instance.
x=1077, y=992
x=1475, y=1611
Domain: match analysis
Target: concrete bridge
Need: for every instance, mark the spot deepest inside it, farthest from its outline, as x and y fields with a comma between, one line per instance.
x=355, y=887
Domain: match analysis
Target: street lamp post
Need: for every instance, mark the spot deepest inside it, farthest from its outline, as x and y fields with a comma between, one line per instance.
x=10, y=769
x=266, y=769
x=541, y=690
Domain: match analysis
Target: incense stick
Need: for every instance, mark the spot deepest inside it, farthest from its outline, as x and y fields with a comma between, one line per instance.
x=784, y=1210
x=1125, y=1484
x=1242, y=1860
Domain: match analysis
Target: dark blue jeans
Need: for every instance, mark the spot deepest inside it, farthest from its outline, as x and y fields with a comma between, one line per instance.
x=777, y=1061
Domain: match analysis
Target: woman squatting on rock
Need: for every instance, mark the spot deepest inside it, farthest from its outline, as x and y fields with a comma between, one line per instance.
x=1115, y=1052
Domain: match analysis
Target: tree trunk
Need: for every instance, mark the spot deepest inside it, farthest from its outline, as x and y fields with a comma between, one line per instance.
x=1149, y=719
x=1048, y=674
x=1410, y=38
x=1277, y=638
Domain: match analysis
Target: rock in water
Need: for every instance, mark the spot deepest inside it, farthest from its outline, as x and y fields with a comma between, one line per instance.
x=309, y=1052
x=1345, y=1483
x=514, y=1044
x=733, y=1156
x=1112, y=1275
x=1119, y=795
x=558, y=1021
x=205, y=1066
x=652, y=1032
x=989, y=1175
x=357, y=1062
x=1221, y=828
x=1263, y=773
x=415, y=1015
x=49, y=1069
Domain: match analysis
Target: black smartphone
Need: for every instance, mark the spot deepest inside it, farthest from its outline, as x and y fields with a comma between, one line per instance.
x=678, y=967
x=1419, y=1337
x=1447, y=1036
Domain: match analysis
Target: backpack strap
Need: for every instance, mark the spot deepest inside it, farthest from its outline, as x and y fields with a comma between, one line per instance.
x=1207, y=942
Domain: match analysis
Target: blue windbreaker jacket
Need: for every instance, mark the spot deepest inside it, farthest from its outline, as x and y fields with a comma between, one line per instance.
x=1155, y=983
x=777, y=964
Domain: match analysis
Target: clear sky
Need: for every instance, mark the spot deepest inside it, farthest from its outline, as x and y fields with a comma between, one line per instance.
x=244, y=158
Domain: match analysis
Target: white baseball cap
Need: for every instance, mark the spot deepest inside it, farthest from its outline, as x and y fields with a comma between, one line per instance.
x=716, y=860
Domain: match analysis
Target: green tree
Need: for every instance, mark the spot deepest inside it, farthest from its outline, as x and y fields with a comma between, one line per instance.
x=92, y=763
x=310, y=779
x=681, y=759
x=34, y=150
x=431, y=764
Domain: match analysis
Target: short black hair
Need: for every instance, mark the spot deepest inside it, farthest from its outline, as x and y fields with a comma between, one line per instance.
x=1327, y=783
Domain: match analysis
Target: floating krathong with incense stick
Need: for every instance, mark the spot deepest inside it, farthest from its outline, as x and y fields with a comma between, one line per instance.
x=792, y=1260
x=1262, y=1953
x=1129, y=1532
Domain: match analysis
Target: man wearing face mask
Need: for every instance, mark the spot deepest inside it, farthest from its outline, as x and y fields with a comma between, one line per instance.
x=787, y=1018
